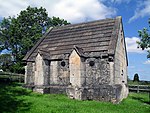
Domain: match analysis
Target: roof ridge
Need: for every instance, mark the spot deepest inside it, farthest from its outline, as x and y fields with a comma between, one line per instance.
x=87, y=22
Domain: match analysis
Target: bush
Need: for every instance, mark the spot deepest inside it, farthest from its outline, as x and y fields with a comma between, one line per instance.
x=136, y=78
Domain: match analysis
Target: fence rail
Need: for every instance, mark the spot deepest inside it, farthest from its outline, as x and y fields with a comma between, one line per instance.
x=6, y=76
x=139, y=88
x=8, y=73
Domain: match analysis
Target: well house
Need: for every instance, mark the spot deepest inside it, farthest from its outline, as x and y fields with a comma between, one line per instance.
x=86, y=61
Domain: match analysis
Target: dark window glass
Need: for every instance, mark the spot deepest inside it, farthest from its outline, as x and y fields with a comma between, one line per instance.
x=63, y=63
x=91, y=63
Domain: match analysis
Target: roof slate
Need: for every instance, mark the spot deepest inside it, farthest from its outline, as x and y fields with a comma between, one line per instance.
x=97, y=36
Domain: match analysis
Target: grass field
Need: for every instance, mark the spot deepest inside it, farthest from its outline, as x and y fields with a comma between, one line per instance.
x=15, y=99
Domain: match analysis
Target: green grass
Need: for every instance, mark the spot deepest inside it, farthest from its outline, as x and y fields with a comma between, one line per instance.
x=15, y=99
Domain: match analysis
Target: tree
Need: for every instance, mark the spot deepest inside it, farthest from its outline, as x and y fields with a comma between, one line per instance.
x=56, y=21
x=5, y=61
x=144, y=43
x=18, y=35
x=136, y=78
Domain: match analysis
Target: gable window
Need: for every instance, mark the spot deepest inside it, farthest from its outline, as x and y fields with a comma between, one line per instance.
x=63, y=63
x=91, y=63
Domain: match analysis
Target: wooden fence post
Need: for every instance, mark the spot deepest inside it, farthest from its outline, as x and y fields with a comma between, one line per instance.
x=138, y=88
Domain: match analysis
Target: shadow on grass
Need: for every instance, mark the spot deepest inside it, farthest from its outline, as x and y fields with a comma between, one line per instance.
x=141, y=99
x=10, y=97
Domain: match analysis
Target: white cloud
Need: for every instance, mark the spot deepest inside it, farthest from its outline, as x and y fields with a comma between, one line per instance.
x=132, y=45
x=142, y=10
x=72, y=10
x=82, y=10
x=147, y=62
x=13, y=7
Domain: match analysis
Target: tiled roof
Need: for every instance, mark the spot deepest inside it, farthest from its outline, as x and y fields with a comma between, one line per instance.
x=97, y=36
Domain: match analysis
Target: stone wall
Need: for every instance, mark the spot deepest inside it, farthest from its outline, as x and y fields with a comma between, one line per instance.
x=120, y=64
x=54, y=72
x=29, y=73
x=59, y=72
x=120, y=60
x=75, y=70
x=46, y=72
x=110, y=93
x=89, y=72
x=39, y=77
x=92, y=79
x=97, y=72
x=63, y=72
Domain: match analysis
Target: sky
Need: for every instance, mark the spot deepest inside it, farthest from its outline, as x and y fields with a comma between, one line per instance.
x=135, y=15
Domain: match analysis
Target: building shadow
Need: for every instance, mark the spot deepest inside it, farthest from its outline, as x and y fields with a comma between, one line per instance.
x=11, y=97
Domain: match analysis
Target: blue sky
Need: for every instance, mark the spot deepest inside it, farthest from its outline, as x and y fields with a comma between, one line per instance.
x=135, y=14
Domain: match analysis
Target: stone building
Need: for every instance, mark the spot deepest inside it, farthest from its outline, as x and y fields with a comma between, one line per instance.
x=84, y=61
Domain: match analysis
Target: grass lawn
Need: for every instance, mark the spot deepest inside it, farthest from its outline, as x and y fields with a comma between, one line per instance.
x=15, y=99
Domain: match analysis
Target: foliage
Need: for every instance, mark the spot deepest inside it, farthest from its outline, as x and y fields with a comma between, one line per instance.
x=18, y=35
x=141, y=82
x=17, y=68
x=5, y=61
x=136, y=78
x=56, y=21
x=144, y=43
x=16, y=99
